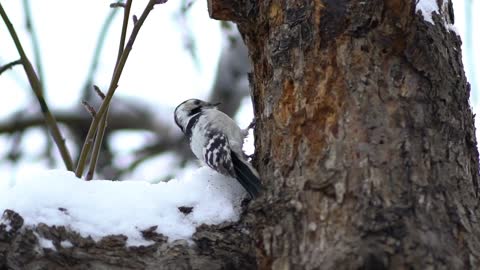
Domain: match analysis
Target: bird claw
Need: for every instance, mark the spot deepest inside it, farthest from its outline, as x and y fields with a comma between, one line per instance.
x=250, y=126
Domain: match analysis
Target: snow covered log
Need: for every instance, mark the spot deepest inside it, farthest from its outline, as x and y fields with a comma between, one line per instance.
x=221, y=246
x=53, y=220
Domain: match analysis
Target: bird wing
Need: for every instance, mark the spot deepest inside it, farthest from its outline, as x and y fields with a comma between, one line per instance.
x=219, y=156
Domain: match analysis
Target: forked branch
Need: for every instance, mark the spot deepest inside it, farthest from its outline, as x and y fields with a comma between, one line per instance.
x=111, y=90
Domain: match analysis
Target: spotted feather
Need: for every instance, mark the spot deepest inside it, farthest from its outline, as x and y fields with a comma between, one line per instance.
x=217, y=154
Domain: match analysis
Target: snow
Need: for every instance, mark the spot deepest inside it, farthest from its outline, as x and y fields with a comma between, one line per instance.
x=66, y=244
x=44, y=242
x=427, y=7
x=99, y=208
x=453, y=28
x=244, y=117
x=6, y=222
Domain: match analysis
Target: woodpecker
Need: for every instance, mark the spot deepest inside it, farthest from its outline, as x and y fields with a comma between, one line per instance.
x=217, y=141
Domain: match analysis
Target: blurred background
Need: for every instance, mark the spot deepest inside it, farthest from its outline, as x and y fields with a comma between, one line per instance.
x=179, y=54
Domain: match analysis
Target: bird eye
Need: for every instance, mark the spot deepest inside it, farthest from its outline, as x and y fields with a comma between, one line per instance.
x=197, y=102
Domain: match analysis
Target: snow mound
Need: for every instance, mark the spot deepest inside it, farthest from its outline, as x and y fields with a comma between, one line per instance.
x=99, y=208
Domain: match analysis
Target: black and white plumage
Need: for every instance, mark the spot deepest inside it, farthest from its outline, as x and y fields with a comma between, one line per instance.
x=217, y=141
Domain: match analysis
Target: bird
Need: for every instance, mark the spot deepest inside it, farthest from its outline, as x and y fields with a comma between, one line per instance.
x=217, y=141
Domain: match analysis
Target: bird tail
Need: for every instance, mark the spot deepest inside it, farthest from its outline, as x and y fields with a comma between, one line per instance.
x=247, y=176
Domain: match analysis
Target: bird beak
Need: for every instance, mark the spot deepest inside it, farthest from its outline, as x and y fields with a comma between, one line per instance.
x=215, y=104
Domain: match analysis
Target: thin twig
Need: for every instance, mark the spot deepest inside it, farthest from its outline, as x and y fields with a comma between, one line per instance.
x=97, y=147
x=89, y=108
x=117, y=4
x=111, y=90
x=10, y=65
x=35, y=44
x=38, y=61
x=123, y=36
x=37, y=89
x=104, y=107
x=103, y=122
x=99, y=92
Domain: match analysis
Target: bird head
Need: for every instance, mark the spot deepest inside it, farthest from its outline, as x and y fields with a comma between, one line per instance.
x=189, y=108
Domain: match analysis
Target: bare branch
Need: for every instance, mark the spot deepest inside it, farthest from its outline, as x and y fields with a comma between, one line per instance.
x=37, y=89
x=123, y=35
x=103, y=122
x=97, y=147
x=35, y=44
x=111, y=90
x=10, y=65
x=125, y=119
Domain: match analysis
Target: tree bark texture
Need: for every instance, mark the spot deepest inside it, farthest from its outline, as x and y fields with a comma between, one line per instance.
x=365, y=139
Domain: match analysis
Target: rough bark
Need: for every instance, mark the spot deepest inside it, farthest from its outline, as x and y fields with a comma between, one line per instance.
x=225, y=246
x=365, y=139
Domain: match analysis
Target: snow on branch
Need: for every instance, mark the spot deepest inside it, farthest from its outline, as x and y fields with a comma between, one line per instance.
x=100, y=208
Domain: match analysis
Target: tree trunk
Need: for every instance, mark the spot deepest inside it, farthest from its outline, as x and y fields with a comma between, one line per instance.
x=365, y=139
x=365, y=145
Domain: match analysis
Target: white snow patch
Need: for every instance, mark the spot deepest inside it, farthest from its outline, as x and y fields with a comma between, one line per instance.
x=453, y=28
x=244, y=117
x=66, y=244
x=99, y=208
x=44, y=242
x=427, y=7
x=6, y=222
